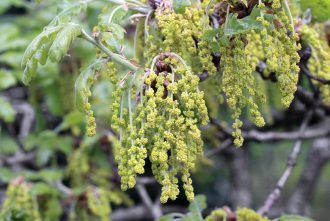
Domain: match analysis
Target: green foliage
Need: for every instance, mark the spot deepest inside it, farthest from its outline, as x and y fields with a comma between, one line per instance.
x=7, y=113
x=209, y=37
x=41, y=188
x=45, y=174
x=285, y=217
x=84, y=82
x=70, y=120
x=66, y=11
x=179, y=6
x=114, y=37
x=52, y=43
x=111, y=15
x=154, y=112
x=15, y=215
x=195, y=207
x=245, y=25
x=320, y=8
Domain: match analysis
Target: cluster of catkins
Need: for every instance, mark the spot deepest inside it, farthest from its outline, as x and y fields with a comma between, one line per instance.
x=319, y=64
x=20, y=198
x=281, y=51
x=157, y=111
x=160, y=120
x=242, y=214
x=82, y=172
x=239, y=61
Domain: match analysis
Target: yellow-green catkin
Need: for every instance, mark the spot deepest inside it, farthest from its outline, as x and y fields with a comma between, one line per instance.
x=245, y=214
x=319, y=64
x=162, y=124
x=281, y=52
x=239, y=84
x=19, y=197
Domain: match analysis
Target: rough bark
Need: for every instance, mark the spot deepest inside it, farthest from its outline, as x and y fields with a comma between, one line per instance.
x=301, y=199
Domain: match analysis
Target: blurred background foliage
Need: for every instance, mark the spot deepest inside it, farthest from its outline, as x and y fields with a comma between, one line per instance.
x=58, y=129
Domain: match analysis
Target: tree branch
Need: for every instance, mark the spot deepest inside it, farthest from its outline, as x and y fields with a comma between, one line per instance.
x=154, y=208
x=224, y=144
x=114, y=56
x=300, y=201
x=305, y=70
x=292, y=161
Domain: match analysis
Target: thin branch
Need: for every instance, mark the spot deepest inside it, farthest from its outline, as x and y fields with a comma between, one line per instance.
x=154, y=208
x=224, y=144
x=145, y=180
x=305, y=70
x=18, y=158
x=291, y=163
x=140, y=212
x=319, y=130
x=114, y=56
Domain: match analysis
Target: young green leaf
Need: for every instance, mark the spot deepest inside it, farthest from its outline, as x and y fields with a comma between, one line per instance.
x=62, y=41
x=197, y=206
x=6, y=79
x=111, y=15
x=285, y=217
x=70, y=120
x=209, y=36
x=179, y=6
x=133, y=79
x=83, y=83
x=41, y=188
x=320, y=8
x=114, y=37
x=245, y=25
x=7, y=113
x=66, y=11
x=53, y=42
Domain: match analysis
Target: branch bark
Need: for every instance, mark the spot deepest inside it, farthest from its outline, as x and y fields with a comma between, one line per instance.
x=301, y=200
x=292, y=161
x=154, y=208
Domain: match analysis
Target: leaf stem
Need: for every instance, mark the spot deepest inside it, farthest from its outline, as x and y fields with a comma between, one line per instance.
x=288, y=12
x=206, y=13
x=116, y=58
x=227, y=18
x=143, y=9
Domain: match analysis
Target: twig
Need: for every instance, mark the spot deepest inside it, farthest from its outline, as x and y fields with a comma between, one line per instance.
x=300, y=201
x=145, y=180
x=224, y=144
x=305, y=70
x=19, y=157
x=154, y=208
x=140, y=212
x=291, y=163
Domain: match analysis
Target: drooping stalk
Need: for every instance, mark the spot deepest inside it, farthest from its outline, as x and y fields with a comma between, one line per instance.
x=116, y=58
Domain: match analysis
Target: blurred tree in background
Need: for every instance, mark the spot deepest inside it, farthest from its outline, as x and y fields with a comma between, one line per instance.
x=51, y=170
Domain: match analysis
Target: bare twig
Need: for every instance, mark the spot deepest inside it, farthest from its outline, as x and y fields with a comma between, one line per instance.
x=18, y=158
x=305, y=70
x=300, y=201
x=292, y=161
x=140, y=212
x=145, y=180
x=319, y=130
x=154, y=208
x=224, y=144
